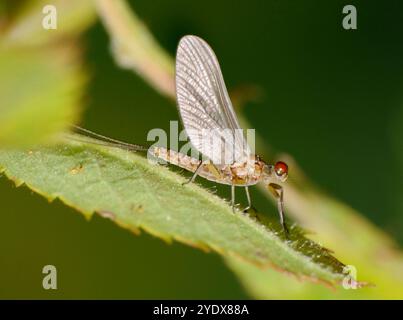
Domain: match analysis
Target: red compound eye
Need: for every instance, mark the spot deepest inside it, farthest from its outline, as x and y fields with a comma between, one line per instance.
x=281, y=168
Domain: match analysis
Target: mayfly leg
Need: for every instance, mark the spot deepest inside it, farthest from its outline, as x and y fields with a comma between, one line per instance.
x=248, y=198
x=195, y=174
x=233, y=197
x=278, y=193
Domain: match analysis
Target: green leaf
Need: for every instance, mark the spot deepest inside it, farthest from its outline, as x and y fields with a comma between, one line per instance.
x=136, y=194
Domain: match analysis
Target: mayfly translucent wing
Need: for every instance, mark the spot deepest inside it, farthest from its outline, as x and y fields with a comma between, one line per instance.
x=205, y=106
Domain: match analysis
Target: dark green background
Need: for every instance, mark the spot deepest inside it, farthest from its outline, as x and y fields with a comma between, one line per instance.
x=332, y=99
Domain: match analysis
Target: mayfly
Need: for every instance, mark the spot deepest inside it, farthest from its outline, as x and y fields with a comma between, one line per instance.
x=208, y=117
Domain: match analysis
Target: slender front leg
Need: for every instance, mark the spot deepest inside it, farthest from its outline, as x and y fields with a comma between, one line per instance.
x=194, y=174
x=278, y=193
x=233, y=197
x=249, y=207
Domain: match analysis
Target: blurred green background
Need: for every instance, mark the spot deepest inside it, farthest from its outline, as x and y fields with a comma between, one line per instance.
x=331, y=98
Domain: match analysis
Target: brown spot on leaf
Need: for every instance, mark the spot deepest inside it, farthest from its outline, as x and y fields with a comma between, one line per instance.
x=137, y=208
x=77, y=169
x=260, y=254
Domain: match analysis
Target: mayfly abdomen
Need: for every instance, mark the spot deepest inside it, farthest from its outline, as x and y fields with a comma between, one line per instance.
x=175, y=158
x=207, y=170
x=231, y=175
x=188, y=163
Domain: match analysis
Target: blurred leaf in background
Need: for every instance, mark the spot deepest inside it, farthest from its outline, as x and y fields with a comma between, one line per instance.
x=23, y=27
x=42, y=79
x=41, y=94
